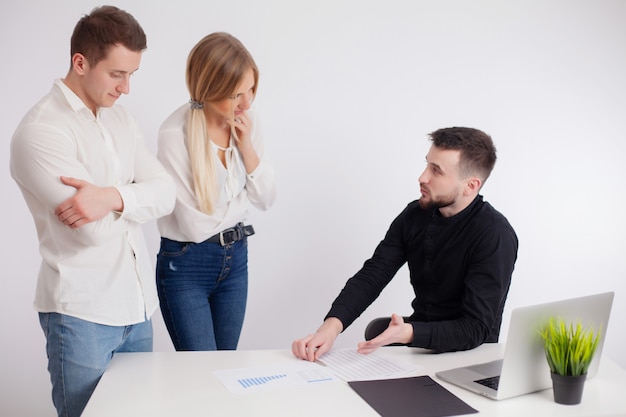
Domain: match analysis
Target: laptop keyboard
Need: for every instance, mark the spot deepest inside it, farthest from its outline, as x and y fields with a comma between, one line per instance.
x=491, y=382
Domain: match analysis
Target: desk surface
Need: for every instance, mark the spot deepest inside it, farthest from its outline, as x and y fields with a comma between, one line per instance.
x=182, y=384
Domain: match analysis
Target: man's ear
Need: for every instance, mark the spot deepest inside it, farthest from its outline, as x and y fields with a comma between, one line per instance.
x=79, y=63
x=473, y=185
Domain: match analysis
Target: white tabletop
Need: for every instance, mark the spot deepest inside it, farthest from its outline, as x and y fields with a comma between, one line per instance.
x=182, y=384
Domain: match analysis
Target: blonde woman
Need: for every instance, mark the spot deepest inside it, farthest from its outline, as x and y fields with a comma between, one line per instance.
x=213, y=149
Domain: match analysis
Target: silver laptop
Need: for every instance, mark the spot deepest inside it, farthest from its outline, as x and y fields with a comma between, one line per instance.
x=524, y=368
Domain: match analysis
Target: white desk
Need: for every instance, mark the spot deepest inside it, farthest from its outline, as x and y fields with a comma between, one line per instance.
x=182, y=384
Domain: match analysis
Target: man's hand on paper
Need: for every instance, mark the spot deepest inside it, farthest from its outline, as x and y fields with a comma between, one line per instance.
x=313, y=346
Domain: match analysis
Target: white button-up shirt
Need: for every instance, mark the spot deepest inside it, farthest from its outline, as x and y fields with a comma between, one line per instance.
x=237, y=189
x=100, y=272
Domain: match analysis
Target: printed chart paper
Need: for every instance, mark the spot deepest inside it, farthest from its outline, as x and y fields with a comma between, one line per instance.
x=251, y=379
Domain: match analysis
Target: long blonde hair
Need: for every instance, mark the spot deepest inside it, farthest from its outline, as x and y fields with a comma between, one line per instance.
x=215, y=67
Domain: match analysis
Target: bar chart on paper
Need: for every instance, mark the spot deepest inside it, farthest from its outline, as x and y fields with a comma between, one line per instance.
x=273, y=377
x=251, y=382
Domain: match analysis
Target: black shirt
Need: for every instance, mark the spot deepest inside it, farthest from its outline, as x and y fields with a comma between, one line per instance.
x=460, y=269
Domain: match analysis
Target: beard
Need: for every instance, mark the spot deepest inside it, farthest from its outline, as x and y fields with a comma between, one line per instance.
x=437, y=203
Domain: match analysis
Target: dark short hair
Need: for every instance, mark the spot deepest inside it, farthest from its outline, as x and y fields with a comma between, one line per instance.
x=103, y=28
x=478, y=153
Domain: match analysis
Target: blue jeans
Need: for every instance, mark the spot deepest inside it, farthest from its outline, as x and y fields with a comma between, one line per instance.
x=203, y=288
x=79, y=352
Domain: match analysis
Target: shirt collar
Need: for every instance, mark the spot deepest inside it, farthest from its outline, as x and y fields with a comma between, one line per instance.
x=436, y=214
x=75, y=102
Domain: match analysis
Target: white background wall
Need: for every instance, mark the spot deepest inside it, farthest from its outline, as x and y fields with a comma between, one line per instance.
x=349, y=90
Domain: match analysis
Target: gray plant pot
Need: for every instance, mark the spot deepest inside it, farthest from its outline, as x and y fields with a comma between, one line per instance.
x=568, y=389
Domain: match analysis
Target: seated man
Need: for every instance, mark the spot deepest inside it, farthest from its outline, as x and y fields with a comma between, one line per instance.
x=460, y=252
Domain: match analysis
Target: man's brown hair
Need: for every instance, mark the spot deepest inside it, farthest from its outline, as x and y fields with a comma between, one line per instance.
x=104, y=27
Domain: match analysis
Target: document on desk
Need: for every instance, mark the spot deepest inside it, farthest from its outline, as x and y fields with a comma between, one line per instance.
x=418, y=396
x=251, y=379
x=350, y=365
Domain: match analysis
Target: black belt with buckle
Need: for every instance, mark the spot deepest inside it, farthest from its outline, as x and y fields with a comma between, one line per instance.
x=232, y=235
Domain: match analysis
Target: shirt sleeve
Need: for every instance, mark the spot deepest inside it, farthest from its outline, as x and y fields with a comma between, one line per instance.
x=261, y=183
x=366, y=285
x=40, y=156
x=152, y=193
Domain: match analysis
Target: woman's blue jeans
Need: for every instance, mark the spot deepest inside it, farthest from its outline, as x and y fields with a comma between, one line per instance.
x=79, y=352
x=203, y=288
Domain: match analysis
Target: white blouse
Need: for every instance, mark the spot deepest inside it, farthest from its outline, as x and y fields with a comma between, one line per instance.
x=236, y=188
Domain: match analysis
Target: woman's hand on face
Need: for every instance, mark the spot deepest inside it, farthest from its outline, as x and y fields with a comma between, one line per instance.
x=243, y=126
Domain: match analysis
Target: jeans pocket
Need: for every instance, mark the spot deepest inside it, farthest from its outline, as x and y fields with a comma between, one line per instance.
x=171, y=248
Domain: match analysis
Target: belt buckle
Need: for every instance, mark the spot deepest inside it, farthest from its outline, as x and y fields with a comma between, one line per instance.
x=222, y=238
x=233, y=233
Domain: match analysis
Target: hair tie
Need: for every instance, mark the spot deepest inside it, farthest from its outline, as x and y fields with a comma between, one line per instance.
x=196, y=104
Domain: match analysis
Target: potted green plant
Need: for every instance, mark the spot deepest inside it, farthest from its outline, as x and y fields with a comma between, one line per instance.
x=569, y=350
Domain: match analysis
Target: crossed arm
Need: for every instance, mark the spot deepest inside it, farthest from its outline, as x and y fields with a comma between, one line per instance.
x=90, y=203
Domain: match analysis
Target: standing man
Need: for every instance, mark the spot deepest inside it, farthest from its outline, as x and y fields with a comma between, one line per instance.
x=460, y=252
x=90, y=182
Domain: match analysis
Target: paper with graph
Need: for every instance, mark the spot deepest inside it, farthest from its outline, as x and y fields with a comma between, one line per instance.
x=252, y=379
